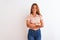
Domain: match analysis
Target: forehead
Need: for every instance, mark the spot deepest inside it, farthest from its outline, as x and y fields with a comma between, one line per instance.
x=34, y=5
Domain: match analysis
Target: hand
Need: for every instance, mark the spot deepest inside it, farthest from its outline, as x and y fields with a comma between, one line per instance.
x=38, y=25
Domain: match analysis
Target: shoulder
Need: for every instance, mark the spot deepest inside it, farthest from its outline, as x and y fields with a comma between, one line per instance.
x=28, y=17
x=41, y=17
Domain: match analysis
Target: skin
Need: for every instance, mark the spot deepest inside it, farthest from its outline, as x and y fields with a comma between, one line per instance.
x=33, y=25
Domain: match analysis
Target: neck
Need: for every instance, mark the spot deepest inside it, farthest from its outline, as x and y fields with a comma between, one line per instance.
x=34, y=14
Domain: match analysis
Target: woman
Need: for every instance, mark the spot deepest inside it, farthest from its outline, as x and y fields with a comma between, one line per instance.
x=34, y=22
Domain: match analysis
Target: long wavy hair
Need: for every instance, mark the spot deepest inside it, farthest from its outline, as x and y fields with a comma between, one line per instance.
x=37, y=12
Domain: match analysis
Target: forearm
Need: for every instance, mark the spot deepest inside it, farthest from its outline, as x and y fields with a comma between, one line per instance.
x=39, y=26
x=31, y=26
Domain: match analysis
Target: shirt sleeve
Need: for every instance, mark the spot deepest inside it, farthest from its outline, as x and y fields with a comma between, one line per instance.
x=28, y=18
x=41, y=17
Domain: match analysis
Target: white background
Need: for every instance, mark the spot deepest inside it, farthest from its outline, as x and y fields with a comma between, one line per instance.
x=14, y=12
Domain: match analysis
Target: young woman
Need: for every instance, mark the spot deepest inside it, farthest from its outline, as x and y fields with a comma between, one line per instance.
x=34, y=22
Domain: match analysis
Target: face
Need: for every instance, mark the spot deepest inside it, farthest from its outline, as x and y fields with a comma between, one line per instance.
x=34, y=9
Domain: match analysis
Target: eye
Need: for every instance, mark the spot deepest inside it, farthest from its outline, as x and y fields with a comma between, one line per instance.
x=34, y=7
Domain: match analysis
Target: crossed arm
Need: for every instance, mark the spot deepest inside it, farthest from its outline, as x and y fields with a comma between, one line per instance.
x=33, y=25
